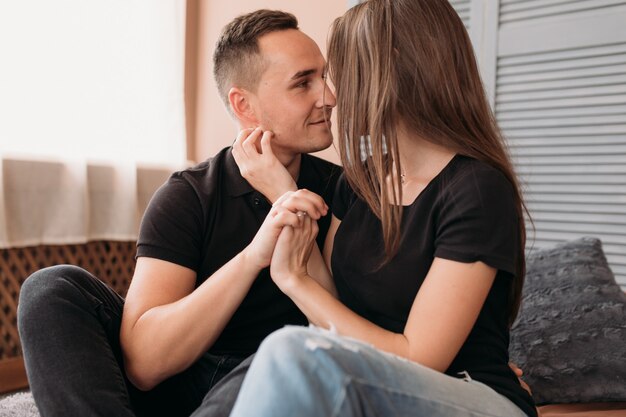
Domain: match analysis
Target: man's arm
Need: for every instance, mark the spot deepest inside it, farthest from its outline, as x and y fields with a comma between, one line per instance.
x=165, y=325
x=167, y=322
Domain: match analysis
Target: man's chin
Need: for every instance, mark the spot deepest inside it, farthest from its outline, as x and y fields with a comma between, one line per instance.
x=309, y=144
x=319, y=144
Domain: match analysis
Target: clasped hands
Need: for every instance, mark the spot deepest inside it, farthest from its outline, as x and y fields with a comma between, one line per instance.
x=285, y=239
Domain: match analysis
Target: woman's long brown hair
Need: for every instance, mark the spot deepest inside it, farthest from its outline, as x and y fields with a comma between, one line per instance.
x=411, y=62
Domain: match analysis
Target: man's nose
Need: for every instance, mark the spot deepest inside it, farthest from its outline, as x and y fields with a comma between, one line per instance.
x=328, y=99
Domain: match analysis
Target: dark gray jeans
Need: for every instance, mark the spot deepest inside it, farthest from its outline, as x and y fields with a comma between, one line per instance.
x=69, y=324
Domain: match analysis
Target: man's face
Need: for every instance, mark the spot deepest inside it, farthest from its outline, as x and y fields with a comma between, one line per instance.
x=292, y=98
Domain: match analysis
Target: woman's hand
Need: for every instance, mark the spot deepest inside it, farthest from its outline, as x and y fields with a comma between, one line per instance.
x=294, y=246
x=259, y=166
x=519, y=374
x=288, y=266
x=287, y=211
x=303, y=200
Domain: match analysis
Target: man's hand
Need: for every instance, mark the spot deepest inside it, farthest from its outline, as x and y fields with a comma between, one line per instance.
x=259, y=166
x=259, y=251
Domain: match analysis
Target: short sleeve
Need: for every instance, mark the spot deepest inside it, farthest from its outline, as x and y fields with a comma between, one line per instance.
x=344, y=197
x=478, y=220
x=172, y=225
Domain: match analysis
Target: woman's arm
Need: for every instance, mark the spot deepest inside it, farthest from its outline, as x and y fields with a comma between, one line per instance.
x=268, y=176
x=304, y=201
x=442, y=316
x=330, y=241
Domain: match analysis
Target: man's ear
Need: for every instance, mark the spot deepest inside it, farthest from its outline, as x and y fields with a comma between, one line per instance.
x=242, y=106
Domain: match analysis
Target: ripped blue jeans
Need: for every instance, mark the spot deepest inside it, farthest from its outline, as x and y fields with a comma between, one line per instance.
x=312, y=372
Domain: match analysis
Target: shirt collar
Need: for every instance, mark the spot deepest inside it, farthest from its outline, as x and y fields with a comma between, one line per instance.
x=238, y=185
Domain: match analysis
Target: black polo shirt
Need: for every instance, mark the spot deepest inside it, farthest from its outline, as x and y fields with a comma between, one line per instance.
x=205, y=215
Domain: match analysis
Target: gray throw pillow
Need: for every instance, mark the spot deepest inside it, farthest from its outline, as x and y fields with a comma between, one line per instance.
x=570, y=335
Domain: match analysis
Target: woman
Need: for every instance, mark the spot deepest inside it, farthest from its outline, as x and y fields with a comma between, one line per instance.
x=426, y=244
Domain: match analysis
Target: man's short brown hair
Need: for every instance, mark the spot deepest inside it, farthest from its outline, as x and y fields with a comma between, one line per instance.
x=236, y=58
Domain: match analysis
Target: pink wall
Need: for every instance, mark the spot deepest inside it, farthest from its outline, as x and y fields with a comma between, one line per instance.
x=214, y=127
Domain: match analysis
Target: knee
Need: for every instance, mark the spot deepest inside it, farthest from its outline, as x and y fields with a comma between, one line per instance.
x=299, y=358
x=285, y=347
x=299, y=349
x=287, y=342
x=49, y=284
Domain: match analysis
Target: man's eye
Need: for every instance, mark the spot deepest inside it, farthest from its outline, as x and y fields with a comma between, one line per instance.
x=303, y=84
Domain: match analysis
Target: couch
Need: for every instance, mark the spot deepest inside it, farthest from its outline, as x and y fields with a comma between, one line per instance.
x=569, y=337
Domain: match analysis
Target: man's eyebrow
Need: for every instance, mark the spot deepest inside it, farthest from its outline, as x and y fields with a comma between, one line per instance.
x=303, y=73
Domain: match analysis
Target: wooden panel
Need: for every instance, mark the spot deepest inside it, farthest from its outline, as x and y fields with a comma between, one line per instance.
x=112, y=262
x=13, y=374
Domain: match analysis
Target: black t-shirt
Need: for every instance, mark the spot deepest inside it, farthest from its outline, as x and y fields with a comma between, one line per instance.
x=466, y=214
x=203, y=216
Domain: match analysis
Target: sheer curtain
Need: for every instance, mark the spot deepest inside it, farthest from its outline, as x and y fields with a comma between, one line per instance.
x=92, y=115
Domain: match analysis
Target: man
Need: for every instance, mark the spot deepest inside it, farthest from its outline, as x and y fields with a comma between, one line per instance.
x=201, y=299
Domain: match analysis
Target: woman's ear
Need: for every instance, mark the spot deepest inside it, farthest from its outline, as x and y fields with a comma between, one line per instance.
x=241, y=105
